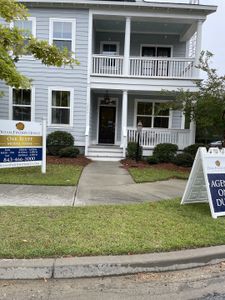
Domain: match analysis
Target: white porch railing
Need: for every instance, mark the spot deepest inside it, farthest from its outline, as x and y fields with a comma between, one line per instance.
x=151, y=137
x=143, y=66
x=161, y=67
x=107, y=65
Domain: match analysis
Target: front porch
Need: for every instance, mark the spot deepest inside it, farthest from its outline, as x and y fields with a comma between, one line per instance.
x=113, y=122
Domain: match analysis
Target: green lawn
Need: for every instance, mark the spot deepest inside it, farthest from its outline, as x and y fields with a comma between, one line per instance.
x=154, y=174
x=107, y=230
x=55, y=175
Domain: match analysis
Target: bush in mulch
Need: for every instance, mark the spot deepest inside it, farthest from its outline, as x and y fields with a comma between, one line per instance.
x=58, y=140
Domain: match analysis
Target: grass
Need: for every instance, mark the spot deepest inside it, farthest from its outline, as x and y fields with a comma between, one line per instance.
x=154, y=174
x=56, y=175
x=107, y=230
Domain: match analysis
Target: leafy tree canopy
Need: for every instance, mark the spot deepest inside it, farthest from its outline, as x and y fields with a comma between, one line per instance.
x=207, y=105
x=13, y=46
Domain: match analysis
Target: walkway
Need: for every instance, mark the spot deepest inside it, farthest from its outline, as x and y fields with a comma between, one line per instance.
x=100, y=183
x=109, y=183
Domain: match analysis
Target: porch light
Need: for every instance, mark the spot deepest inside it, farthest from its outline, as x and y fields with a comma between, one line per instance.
x=107, y=98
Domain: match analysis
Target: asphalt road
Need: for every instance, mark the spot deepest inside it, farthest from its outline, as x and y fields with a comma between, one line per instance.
x=205, y=283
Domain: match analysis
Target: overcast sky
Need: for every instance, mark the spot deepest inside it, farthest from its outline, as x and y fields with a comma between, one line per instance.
x=214, y=34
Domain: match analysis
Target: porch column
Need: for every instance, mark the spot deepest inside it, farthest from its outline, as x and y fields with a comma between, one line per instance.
x=87, y=130
x=198, y=48
x=124, y=122
x=126, y=62
x=192, y=132
x=88, y=104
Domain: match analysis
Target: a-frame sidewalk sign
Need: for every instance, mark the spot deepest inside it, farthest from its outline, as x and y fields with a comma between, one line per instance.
x=206, y=182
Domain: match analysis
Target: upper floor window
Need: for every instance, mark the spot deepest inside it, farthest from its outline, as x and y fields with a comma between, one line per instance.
x=21, y=105
x=60, y=108
x=28, y=26
x=62, y=33
x=152, y=114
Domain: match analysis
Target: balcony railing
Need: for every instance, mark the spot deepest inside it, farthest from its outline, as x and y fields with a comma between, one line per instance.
x=161, y=67
x=143, y=66
x=107, y=65
x=151, y=137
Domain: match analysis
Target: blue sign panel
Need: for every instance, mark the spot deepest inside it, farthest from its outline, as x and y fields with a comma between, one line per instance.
x=217, y=191
x=10, y=155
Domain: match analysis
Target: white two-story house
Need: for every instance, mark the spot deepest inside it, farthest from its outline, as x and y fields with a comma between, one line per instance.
x=129, y=51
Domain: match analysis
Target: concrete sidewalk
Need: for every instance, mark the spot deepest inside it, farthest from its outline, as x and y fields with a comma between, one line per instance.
x=77, y=267
x=34, y=195
x=109, y=183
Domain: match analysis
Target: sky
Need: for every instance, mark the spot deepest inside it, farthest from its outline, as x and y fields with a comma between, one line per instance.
x=214, y=35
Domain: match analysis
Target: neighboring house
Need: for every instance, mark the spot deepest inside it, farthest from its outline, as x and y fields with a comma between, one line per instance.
x=128, y=52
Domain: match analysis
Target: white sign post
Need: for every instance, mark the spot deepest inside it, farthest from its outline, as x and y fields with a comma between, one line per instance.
x=206, y=182
x=22, y=144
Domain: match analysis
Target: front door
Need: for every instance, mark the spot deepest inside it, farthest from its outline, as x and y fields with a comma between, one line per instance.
x=107, y=118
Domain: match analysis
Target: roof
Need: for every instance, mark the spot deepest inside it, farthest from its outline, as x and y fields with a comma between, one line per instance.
x=127, y=4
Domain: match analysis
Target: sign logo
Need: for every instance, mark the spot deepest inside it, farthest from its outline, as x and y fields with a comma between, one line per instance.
x=217, y=163
x=20, y=126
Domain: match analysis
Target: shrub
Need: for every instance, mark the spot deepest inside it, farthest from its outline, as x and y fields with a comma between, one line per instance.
x=58, y=140
x=70, y=151
x=192, y=149
x=152, y=160
x=184, y=159
x=132, y=151
x=165, y=152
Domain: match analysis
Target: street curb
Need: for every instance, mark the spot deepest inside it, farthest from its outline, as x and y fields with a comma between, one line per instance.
x=78, y=267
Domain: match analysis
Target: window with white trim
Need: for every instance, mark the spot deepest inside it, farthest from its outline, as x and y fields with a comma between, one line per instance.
x=21, y=104
x=62, y=33
x=28, y=26
x=152, y=114
x=61, y=107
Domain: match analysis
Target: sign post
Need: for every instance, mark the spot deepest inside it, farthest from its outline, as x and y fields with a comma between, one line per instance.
x=206, y=182
x=22, y=144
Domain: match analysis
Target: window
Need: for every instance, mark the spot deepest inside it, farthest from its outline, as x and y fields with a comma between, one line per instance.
x=21, y=105
x=109, y=48
x=61, y=106
x=152, y=114
x=28, y=26
x=62, y=33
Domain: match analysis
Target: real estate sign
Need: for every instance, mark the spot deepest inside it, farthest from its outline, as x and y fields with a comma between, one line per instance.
x=22, y=144
x=206, y=182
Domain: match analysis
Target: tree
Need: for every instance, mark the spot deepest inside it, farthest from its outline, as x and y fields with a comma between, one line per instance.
x=13, y=46
x=207, y=105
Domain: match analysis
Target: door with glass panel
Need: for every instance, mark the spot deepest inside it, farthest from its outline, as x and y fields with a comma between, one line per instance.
x=155, y=67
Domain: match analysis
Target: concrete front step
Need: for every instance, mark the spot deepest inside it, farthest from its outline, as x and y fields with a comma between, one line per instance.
x=105, y=153
x=104, y=158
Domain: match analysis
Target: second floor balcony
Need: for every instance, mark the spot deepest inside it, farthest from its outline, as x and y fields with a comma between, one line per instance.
x=143, y=67
x=147, y=47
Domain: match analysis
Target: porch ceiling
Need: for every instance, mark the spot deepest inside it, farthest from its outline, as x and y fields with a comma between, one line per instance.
x=141, y=27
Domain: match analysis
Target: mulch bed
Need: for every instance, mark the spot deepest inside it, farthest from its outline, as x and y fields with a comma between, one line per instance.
x=129, y=163
x=80, y=160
